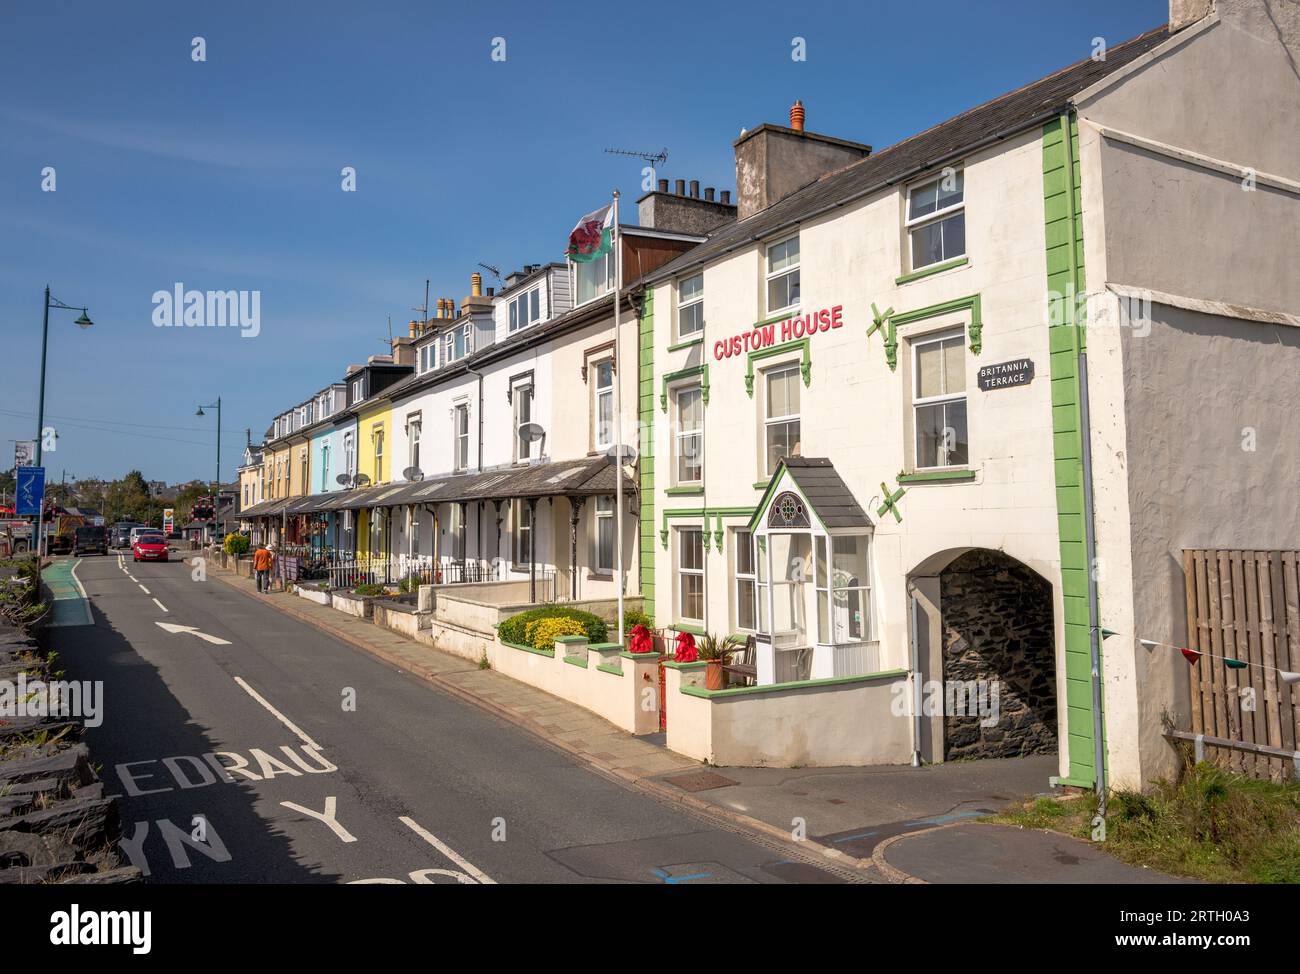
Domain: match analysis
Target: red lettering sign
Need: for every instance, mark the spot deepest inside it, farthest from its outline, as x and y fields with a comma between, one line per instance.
x=790, y=329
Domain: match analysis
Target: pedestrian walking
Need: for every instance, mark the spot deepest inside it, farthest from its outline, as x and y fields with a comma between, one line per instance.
x=263, y=561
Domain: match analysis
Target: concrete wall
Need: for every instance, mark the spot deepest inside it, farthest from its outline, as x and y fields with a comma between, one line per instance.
x=810, y=726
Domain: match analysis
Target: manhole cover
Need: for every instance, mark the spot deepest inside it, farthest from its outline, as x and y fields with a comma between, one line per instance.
x=699, y=781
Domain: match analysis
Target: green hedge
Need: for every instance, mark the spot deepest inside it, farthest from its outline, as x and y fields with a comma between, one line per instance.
x=513, y=629
x=632, y=618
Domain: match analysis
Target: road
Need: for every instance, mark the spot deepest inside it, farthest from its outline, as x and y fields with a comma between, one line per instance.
x=298, y=758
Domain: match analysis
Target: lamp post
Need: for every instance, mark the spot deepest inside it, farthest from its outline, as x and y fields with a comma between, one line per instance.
x=216, y=489
x=84, y=322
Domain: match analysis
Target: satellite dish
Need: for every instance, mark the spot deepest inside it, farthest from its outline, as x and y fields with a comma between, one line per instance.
x=343, y=480
x=629, y=452
x=413, y=474
x=531, y=431
x=360, y=480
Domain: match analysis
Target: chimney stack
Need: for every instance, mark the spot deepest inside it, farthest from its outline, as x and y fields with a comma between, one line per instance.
x=1184, y=13
x=684, y=211
x=414, y=329
x=663, y=185
x=708, y=193
x=679, y=187
x=695, y=189
x=476, y=285
x=726, y=197
x=773, y=161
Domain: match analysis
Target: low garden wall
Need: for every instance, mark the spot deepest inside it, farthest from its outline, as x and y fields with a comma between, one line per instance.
x=399, y=616
x=812, y=723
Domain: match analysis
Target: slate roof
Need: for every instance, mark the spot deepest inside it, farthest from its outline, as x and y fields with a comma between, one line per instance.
x=985, y=124
x=584, y=477
x=827, y=493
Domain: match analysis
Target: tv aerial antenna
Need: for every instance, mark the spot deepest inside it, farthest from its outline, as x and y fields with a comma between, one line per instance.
x=656, y=159
x=494, y=271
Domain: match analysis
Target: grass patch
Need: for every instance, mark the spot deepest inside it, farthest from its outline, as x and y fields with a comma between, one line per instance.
x=1209, y=825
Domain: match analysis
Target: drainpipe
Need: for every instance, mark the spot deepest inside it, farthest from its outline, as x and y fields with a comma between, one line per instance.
x=915, y=652
x=1094, y=622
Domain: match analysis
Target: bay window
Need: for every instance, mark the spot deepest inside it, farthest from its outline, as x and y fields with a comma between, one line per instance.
x=745, y=580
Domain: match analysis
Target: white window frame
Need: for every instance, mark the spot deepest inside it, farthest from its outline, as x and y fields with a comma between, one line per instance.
x=603, y=438
x=918, y=401
x=324, y=467
x=358, y=388
x=377, y=439
x=349, y=453
x=690, y=305
x=769, y=420
x=608, y=261
x=910, y=224
x=519, y=553
x=459, y=437
x=414, y=427
x=602, y=506
x=520, y=393
x=680, y=436
x=743, y=539
x=683, y=573
x=770, y=275
x=525, y=309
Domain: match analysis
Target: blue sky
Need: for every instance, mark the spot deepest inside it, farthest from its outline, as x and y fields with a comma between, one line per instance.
x=226, y=174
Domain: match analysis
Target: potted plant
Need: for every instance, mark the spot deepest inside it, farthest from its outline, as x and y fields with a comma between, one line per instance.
x=714, y=651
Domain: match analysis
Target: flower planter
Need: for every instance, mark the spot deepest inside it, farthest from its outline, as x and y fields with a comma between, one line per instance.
x=714, y=678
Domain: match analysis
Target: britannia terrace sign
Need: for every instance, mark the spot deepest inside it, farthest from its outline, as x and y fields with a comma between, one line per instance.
x=778, y=332
x=1019, y=372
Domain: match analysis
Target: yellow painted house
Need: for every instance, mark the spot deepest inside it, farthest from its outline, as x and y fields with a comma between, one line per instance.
x=374, y=440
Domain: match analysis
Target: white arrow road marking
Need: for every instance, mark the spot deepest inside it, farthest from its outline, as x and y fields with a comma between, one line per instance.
x=302, y=736
x=164, y=608
x=446, y=850
x=172, y=627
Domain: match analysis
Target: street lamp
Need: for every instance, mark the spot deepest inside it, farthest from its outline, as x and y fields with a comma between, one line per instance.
x=216, y=490
x=84, y=322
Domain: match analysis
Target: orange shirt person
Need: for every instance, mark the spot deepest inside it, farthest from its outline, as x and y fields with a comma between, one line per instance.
x=263, y=561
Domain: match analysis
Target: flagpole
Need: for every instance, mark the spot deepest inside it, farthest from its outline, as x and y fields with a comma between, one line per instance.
x=618, y=414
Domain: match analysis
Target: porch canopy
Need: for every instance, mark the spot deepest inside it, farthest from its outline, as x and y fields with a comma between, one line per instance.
x=812, y=543
x=265, y=509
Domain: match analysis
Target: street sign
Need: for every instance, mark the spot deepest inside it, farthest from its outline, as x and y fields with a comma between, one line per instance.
x=1004, y=375
x=169, y=514
x=24, y=453
x=31, y=491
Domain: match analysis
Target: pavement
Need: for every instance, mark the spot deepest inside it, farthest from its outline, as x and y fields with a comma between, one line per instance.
x=556, y=760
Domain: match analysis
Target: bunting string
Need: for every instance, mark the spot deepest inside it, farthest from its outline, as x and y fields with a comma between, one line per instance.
x=1193, y=656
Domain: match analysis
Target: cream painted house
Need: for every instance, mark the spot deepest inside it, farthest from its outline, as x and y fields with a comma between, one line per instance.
x=869, y=410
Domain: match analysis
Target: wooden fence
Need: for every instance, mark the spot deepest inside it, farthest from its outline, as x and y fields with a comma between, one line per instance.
x=1245, y=605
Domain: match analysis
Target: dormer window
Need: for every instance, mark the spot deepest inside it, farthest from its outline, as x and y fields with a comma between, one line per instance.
x=456, y=343
x=358, y=389
x=525, y=309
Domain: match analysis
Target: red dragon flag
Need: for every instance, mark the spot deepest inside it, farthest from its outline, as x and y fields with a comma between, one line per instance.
x=593, y=237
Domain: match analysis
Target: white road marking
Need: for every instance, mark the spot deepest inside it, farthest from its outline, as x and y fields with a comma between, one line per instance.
x=144, y=590
x=328, y=817
x=446, y=850
x=301, y=734
x=193, y=631
x=80, y=588
x=160, y=605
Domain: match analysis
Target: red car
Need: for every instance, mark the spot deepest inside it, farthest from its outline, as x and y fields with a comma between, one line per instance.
x=149, y=547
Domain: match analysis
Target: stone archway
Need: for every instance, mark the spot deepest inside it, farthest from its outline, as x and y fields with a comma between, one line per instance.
x=997, y=647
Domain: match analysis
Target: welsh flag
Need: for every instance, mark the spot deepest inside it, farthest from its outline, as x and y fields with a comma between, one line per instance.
x=592, y=237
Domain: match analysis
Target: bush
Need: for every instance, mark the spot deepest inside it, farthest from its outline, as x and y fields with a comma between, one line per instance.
x=514, y=629
x=236, y=544
x=409, y=584
x=542, y=633
x=632, y=618
x=366, y=591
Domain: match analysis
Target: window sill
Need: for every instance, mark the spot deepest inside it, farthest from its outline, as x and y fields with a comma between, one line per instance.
x=762, y=484
x=599, y=576
x=683, y=491
x=946, y=265
x=690, y=627
x=774, y=316
x=685, y=343
x=962, y=475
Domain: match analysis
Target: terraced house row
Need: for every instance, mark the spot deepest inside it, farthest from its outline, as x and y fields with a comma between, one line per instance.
x=943, y=414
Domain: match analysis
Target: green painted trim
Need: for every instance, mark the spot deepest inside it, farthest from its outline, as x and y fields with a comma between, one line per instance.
x=571, y=639
x=682, y=513
x=612, y=670
x=783, y=316
x=971, y=303
x=688, y=627
x=652, y=655
x=645, y=400
x=1073, y=782
x=1067, y=337
x=684, y=491
x=701, y=370
x=805, y=366
x=605, y=646
x=935, y=476
x=531, y=649
x=762, y=484
x=577, y=661
x=686, y=344
x=889, y=504
x=795, y=685
x=674, y=665
x=947, y=265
